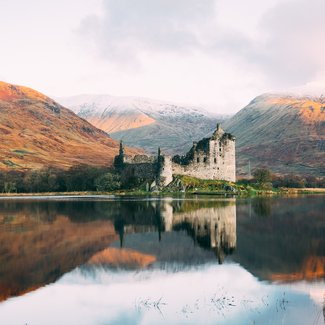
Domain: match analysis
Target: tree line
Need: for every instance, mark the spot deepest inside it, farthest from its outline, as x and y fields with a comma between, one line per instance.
x=82, y=178
x=263, y=177
x=77, y=178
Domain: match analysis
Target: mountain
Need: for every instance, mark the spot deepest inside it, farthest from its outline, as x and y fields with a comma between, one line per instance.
x=143, y=122
x=36, y=131
x=282, y=132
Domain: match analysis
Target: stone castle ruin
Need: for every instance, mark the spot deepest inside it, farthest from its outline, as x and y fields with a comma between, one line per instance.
x=210, y=158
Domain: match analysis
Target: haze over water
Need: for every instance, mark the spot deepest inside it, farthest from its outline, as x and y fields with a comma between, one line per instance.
x=162, y=261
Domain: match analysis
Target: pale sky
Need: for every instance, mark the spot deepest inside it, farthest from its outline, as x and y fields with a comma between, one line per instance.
x=215, y=53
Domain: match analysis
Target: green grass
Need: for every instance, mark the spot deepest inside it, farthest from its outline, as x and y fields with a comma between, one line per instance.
x=9, y=163
x=216, y=187
x=22, y=152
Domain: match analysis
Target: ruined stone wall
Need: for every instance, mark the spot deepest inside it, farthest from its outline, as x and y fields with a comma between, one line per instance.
x=216, y=162
x=210, y=158
x=141, y=171
x=148, y=168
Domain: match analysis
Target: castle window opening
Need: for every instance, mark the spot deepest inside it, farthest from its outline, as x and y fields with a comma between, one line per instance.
x=215, y=160
x=198, y=160
x=205, y=159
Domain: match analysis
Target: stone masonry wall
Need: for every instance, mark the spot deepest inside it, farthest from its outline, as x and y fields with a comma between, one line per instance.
x=216, y=163
x=142, y=171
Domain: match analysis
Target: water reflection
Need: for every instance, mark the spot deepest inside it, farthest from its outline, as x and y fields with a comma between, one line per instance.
x=286, y=245
x=208, y=294
x=40, y=241
x=212, y=227
x=262, y=206
x=280, y=240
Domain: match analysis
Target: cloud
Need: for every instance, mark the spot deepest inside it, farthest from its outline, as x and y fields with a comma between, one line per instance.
x=127, y=28
x=290, y=45
x=207, y=51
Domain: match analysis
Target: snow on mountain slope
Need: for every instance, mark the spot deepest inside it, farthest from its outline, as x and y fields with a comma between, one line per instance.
x=144, y=122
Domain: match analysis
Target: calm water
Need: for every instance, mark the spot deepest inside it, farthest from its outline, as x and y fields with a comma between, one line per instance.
x=168, y=261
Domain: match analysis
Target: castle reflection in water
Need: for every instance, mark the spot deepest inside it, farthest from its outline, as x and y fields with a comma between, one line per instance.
x=211, y=227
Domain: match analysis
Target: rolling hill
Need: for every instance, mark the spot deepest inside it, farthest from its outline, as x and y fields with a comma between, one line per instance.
x=282, y=132
x=36, y=131
x=143, y=122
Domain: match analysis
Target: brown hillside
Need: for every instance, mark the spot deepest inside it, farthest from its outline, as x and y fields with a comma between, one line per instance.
x=37, y=252
x=284, y=133
x=35, y=131
x=122, y=257
x=120, y=122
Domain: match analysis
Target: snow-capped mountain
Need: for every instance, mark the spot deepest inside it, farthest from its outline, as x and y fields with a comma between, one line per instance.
x=144, y=122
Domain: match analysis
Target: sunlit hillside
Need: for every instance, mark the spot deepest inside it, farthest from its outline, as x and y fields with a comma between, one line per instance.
x=36, y=132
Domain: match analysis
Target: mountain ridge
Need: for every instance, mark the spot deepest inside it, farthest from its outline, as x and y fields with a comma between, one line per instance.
x=283, y=132
x=145, y=123
x=36, y=131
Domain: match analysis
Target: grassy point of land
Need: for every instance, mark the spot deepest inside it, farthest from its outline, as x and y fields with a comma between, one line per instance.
x=187, y=185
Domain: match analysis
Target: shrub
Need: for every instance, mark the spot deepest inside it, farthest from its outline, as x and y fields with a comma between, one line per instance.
x=108, y=182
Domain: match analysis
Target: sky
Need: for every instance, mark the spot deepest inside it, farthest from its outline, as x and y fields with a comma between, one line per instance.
x=218, y=54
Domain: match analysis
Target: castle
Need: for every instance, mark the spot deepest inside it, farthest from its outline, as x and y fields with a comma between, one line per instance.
x=210, y=158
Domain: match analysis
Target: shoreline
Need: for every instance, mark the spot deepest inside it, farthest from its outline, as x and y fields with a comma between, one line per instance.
x=112, y=195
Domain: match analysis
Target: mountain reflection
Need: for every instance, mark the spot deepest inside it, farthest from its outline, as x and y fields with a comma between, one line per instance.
x=42, y=240
x=278, y=239
x=282, y=239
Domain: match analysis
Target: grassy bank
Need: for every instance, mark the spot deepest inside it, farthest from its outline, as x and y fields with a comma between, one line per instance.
x=190, y=185
x=303, y=190
x=197, y=186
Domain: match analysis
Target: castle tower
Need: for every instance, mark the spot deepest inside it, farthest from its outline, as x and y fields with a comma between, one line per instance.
x=210, y=158
x=165, y=172
x=222, y=155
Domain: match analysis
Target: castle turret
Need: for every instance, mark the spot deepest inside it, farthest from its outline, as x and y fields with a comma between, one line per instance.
x=165, y=173
x=218, y=133
x=121, y=152
x=119, y=160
